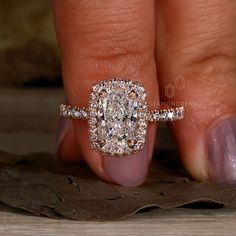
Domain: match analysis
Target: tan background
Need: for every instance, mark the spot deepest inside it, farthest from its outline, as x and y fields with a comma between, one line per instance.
x=30, y=77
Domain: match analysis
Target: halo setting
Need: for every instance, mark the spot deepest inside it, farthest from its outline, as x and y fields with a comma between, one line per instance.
x=117, y=117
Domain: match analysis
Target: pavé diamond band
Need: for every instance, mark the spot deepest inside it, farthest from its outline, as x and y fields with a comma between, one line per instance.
x=118, y=115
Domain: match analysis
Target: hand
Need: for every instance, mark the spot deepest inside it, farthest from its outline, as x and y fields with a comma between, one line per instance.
x=156, y=43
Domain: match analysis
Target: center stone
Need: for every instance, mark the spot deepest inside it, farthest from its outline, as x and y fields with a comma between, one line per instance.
x=117, y=121
x=117, y=117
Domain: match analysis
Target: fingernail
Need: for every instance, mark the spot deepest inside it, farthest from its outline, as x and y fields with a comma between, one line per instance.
x=128, y=171
x=63, y=127
x=222, y=151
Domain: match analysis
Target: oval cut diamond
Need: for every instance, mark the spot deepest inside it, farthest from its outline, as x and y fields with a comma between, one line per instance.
x=119, y=108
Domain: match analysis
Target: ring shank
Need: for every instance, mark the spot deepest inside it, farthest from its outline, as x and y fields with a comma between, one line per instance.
x=160, y=115
x=73, y=112
x=163, y=115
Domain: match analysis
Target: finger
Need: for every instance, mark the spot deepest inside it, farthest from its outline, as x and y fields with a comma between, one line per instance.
x=196, y=47
x=66, y=144
x=100, y=40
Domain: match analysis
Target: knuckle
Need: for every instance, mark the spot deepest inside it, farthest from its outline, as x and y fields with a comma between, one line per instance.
x=213, y=65
x=108, y=44
x=211, y=80
x=110, y=35
x=124, y=45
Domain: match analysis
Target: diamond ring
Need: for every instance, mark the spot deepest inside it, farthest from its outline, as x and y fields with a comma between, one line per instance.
x=118, y=116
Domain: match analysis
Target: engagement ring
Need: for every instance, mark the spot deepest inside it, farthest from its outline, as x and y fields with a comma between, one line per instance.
x=118, y=116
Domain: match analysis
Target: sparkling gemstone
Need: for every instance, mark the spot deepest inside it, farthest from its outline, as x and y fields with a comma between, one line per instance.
x=170, y=115
x=119, y=113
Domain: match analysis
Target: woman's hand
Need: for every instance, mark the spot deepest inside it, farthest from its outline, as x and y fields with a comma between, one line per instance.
x=182, y=51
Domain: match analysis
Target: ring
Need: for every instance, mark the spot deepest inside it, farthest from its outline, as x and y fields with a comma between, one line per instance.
x=118, y=116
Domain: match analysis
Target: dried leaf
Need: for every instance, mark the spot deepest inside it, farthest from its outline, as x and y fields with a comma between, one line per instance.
x=40, y=184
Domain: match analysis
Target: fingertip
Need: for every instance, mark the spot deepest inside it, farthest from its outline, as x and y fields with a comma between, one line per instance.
x=128, y=171
x=66, y=147
x=189, y=136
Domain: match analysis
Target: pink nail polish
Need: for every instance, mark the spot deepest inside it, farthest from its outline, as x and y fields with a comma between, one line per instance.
x=222, y=151
x=128, y=171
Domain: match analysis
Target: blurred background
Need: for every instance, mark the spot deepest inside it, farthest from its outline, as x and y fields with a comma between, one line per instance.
x=30, y=78
x=28, y=48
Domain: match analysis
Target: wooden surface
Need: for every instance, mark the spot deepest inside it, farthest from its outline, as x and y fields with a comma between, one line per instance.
x=182, y=222
x=28, y=123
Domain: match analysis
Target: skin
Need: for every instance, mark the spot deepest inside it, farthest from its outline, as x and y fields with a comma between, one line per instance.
x=153, y=42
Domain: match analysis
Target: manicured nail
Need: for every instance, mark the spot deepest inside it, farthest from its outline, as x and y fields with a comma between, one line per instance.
x=222, y=151
x=63, y=127
x=128, y=171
